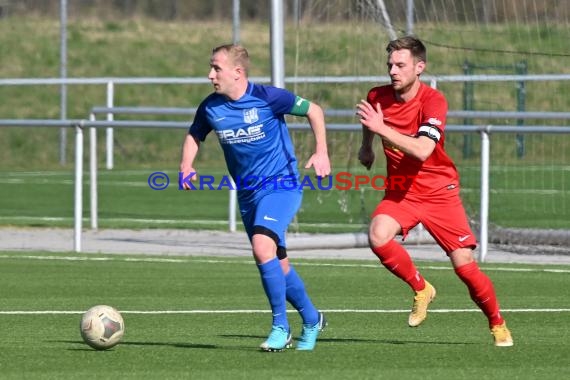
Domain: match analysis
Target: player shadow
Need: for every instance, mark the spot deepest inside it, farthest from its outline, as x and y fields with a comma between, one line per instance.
x=323, y=339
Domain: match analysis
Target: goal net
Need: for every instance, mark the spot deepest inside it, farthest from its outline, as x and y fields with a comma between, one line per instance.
x=485, y=41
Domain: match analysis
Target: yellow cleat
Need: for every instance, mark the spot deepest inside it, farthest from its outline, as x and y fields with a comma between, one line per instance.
x=502, y=335
x=421, y=301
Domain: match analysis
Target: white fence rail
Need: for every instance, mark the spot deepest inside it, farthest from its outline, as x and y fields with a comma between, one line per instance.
x=110, y=84
x=79, y=125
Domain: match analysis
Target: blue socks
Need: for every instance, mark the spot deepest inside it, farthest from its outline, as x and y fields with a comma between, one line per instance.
x=298, y=297
x=280, y=288
x=273, y=281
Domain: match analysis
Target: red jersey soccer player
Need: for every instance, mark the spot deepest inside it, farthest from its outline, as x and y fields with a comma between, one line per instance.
x=409, y=117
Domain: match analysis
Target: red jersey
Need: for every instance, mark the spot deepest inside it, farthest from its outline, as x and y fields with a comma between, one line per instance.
x=429, y=109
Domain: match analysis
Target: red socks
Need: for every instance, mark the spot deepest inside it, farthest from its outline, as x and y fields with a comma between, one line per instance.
x=481, y=291
x=397, y=260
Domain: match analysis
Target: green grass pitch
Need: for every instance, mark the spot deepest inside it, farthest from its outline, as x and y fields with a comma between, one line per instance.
x=203, y=318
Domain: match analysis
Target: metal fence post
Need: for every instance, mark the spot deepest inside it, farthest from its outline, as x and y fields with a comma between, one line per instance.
x=78, y=213
x=232, y=207
x=110, y=117
x=93, y=174
x=484, y=232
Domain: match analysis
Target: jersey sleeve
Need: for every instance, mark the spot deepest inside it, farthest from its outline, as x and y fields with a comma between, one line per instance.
x=372, y=96
x=280, y=100
x=434, y=111
x=200, y=126
x=433, y=117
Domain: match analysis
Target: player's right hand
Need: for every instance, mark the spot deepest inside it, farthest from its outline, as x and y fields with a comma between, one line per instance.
x=366, y=156
x=184, y=173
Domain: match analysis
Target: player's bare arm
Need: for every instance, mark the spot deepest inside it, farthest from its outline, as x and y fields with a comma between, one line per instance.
x=190, y=149
x=372, y=118
x=320, y=159
x=366, y=154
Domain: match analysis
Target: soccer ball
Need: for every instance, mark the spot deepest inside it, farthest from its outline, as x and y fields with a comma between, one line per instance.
x=102, y=327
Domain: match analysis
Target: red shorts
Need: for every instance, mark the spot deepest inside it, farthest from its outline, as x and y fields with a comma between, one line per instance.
x=442, y=214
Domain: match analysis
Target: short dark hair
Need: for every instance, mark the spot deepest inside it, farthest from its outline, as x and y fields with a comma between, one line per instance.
x=413, y=44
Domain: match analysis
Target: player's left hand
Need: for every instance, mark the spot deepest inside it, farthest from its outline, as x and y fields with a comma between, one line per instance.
x=321, y=163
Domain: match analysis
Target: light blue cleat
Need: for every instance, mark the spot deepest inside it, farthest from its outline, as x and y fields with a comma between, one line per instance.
x=310, y=333
x=278, y=340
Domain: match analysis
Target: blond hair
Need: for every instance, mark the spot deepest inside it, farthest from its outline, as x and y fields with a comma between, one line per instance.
x=237, y=54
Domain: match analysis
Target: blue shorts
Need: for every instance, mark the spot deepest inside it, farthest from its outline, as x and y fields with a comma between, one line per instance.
x=274, y=211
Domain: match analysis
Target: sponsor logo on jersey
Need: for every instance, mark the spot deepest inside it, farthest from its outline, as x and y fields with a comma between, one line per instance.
x=434, y=121
x=241, y=135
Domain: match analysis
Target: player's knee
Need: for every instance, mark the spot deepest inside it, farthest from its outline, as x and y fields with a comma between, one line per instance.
x=461, y=256
x=376, y=239
x=380, y=233
x=261, y=243
x=264, y=244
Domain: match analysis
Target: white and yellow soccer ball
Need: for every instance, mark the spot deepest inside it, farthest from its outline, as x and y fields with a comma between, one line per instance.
x=102, y=327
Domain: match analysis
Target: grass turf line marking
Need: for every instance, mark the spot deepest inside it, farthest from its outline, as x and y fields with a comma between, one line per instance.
x=158, y=221
x=339, y=311
x=239, y=261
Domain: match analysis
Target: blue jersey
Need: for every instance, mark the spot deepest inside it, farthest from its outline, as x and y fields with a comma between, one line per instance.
x=253, y=135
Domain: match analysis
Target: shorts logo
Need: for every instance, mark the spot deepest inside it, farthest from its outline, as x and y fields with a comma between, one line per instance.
x=463, y=238
x=265, y=217
x=250, y=116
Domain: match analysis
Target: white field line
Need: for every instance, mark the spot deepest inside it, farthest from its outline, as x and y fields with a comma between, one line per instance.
x=163, y=221
x=133, y=220
x=182, y=260
x=518, y=191
x=158, y=221
x=237, y=311
x=249, y=262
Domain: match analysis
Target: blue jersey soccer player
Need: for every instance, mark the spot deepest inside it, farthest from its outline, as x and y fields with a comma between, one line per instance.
x=249, y=120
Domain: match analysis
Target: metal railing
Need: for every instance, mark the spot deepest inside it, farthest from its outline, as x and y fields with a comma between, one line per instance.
x=110, y=123
x=79, y=125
